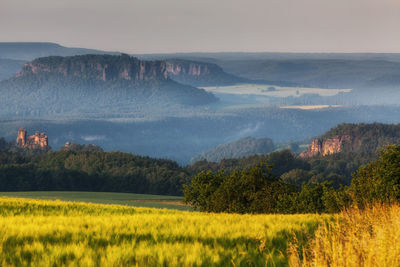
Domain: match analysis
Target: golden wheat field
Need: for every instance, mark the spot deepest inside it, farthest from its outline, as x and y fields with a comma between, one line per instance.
x=55, y=233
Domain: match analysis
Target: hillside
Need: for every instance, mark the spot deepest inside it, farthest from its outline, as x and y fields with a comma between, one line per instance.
x=237, y=149
x=94, y=84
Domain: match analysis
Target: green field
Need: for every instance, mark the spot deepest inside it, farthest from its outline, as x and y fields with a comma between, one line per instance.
x=136, y=200
x=57, y=233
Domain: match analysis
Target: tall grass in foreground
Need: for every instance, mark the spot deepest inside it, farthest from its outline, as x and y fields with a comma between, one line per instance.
x=55, y=233
x=369, y=237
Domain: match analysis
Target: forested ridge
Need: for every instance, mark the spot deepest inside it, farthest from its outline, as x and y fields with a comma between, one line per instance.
x=87, y=168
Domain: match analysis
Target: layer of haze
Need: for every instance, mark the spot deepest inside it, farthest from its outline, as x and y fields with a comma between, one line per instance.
x=152, y=26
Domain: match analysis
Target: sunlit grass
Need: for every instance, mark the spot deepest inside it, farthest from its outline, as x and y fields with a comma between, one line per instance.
x=56, y=233
x=129, y=199
x=369, y=237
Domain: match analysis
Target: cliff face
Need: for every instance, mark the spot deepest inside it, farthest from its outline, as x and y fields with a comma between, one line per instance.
x=199, y=73
x=326, y=147
x=189, y=68
x=37, y=141
x=98, y=67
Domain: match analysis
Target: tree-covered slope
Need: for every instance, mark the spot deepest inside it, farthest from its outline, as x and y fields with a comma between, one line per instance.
x=366, y=139
x=237, y=149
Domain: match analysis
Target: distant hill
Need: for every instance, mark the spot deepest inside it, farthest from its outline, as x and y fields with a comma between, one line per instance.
x=27, y=51
x=94, y=84
x=320, y=73
x=237, y=149
x=200, y=73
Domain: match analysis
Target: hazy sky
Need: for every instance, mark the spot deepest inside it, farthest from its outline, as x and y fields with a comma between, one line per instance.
x=150, y=26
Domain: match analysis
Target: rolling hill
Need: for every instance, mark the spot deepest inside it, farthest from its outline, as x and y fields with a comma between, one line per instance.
x=237, y=149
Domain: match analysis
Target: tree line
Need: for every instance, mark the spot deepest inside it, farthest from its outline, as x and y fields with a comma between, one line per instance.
x=258, y=190
x=87, y=168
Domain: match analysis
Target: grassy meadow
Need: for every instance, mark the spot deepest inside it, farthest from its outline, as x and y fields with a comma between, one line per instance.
x=56, y=233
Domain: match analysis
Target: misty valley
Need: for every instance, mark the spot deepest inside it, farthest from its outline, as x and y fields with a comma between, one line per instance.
x=179, y=108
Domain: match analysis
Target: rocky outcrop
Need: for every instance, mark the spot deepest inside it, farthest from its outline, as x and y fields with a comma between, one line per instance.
x=187, y=68
x=98, y=67
x=199, y=73
x=326, y=147
x=37, y=141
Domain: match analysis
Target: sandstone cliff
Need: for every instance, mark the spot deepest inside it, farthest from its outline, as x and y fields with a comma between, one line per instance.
x=104, y=67
x=199, y=73
x=326, y=147
x=37, y=141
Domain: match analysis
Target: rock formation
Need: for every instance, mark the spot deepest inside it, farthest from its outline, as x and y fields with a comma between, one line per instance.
x=187, y=68
x=37, y=141
x=199, y=73
x=325, y=147
x=99, y=67
x=67, y=145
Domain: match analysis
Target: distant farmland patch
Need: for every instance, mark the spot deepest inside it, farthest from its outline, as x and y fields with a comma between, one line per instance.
x=278, y=91
x=308, y=107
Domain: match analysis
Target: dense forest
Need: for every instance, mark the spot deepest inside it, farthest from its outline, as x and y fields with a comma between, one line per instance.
x=87, y=168
x=259, y=190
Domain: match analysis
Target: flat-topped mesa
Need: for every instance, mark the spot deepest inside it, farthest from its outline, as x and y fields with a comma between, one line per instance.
x=326, y=147
x=36, y=141
x=98, y=67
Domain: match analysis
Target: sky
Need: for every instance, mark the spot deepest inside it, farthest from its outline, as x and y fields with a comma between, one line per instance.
x=168, y=26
